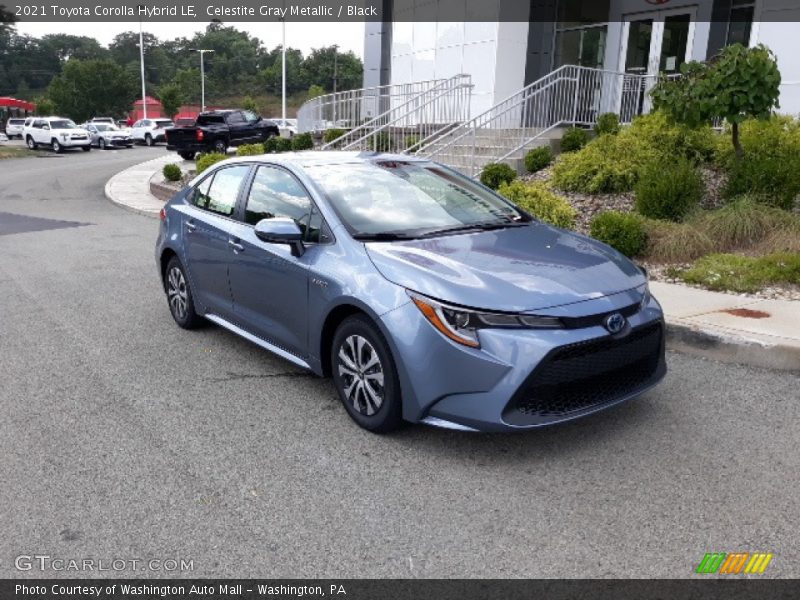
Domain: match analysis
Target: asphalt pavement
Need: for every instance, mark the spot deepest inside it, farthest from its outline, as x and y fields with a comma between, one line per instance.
x=124, y=437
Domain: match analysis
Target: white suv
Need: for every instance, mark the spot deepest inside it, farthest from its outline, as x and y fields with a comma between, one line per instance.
x=14, y=127
x=151, y=131
x=56, y=132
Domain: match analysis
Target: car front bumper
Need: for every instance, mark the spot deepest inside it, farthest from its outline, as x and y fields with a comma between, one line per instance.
x=74, y=143
x=525, y=378
x=119, y=142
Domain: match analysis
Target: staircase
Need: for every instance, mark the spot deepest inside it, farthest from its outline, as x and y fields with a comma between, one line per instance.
x=537, y=115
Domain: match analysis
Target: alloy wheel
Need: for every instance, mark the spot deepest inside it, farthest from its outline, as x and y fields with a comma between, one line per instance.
x=148, y=139
x=362, y=375
x=102, y=144
x=176, y=292
x=31, y=143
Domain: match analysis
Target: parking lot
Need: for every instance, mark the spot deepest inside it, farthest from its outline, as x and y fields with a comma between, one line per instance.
x=123, y=436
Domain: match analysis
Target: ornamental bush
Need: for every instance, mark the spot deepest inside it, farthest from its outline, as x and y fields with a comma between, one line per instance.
x=172, y=172
x=536, y=199
x=574, y=139
x=669, y=191
x=538, y=158
x=250, y=150
x=302, y=141
x=332, y=134
x=607, y=124
x=206, y=160
x=496, y=174
x=624, y=232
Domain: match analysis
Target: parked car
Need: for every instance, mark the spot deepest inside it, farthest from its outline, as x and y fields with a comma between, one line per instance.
x=425, y=295
x=14, y=127
x=3, y=137
x=286, y=127
x=150, y=131
x=109, y=120
x=217, y=130
x=104, y=135
x=57, y=132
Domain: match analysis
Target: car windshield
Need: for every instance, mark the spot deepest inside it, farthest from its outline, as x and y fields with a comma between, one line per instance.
x=409, y=199
x=63, y=124
x=160, y=123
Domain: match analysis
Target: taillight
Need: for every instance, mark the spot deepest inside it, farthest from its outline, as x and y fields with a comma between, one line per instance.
x=162, y=214
x=199, y=135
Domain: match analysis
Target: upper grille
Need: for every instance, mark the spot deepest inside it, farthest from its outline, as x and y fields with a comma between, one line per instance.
x=580, y=377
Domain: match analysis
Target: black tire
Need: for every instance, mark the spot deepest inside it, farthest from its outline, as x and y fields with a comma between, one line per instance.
x=359, y=391
x=221, y=146
x=86, y=148
x=148, y=139
x=175, y=278
x=101, y=144
x=57, y=148
x=186, y=155
x=31, y=143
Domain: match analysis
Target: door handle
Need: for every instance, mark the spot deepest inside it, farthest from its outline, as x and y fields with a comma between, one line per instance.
x=190, y=226
x=237, y=247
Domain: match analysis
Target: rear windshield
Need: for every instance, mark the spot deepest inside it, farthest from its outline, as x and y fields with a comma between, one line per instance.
x=164, y=123
x=16, y=121
x=209, y=119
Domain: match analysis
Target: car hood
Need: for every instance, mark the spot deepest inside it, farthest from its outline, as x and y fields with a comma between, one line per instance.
x=518, y=269
x=114, y=134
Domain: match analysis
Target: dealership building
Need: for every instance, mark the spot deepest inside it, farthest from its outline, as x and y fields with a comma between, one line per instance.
x=426, y=40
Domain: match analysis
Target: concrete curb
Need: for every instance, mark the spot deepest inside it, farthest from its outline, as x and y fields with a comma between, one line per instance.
x=731, y=348
x=130, y=188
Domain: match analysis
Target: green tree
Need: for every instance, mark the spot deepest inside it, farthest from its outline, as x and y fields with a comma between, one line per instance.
x=249, y=103
x=320, y=67
x=7, y=18
x=64, y=47
x=44, y=106
x=315, y=90
x=738, y=84
x=171, y=99
x=188, y=82
x=94, y=87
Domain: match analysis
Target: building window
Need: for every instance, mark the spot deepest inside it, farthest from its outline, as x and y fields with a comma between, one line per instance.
x=584, y=46
x=740, y=22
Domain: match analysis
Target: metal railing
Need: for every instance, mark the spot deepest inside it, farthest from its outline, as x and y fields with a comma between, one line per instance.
x=353, y=108
x=570, y=95
x=410, y=124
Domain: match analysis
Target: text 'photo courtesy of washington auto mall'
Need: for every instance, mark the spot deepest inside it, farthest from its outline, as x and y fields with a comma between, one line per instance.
x=399, y=299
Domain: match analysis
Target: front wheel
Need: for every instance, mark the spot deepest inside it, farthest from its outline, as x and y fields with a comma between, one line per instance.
x=148, y=139
x=86, y=148
x=179, y=295
x=102, y=144
x=365, y=375
x=56, y=146
x=31, y=143
x=186, y=155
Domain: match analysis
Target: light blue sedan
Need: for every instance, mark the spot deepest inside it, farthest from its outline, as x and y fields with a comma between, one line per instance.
x=426, y=296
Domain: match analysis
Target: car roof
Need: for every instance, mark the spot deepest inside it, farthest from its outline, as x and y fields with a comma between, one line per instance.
x=311, y=158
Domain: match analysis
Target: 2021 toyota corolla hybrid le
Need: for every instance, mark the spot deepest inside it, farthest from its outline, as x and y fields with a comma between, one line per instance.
x=426, y=296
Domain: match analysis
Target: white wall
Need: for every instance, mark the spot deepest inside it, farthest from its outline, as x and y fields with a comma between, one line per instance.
x=779, y=28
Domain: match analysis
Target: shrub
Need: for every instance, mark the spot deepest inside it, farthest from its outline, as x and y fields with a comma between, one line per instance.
x=540, y=202
x=607, y=124
x=206, y=160
x=250, y=150
x=624, y=232
x=172, y=172
x=741, y=223
x=380, y=143
x=613, y=163
x=783, y=239
x=538, y=158
x=332, y=134
x=743, y=273
x=495, y=174
x=411, y=141
x=302, y=141
x=282, y=144
x=669, y=191
x=771, y=167
x=270, y=145
x=574, y=139
x=669, y=242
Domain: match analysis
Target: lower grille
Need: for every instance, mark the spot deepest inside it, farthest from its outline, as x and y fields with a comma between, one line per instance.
x=585, y=376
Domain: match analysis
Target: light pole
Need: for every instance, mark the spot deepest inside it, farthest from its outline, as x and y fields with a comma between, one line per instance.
x=203, y=80
x=141, y=64
x=335, y=73
x=283, y=73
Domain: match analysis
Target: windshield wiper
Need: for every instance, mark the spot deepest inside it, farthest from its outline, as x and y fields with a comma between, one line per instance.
x=383, y=236
x=476, y=227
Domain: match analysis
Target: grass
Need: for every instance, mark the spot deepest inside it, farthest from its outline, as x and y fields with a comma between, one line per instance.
x=735, y=273
x=669, y=242
x=742, y=223
x=14, y=152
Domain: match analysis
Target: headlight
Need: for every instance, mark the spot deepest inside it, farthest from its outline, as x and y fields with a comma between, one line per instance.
x=462, y=324
x=645, y=297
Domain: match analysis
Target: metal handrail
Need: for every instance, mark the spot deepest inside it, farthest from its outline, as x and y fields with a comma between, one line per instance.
x=414, y=121
x=570, y=95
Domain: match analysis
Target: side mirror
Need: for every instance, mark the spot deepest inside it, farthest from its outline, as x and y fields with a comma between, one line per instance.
x=281, y=230
x=46, y=127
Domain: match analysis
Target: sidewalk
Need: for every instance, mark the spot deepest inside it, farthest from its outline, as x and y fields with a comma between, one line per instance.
x=724, y=327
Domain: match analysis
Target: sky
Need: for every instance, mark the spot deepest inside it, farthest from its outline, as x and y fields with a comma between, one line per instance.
x=303, y=36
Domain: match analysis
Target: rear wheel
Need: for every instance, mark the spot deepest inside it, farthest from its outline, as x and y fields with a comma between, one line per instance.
x=31, y=143
x=365, y=375
x=221, y=146
x=179, y=295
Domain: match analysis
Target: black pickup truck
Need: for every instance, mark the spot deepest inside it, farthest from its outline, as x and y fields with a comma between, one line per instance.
x=216, y=130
